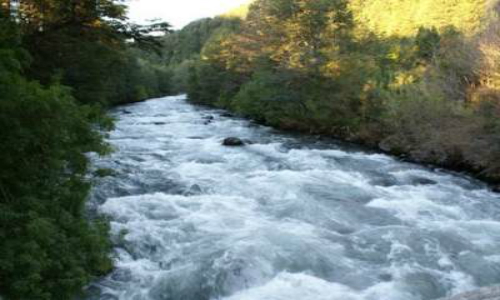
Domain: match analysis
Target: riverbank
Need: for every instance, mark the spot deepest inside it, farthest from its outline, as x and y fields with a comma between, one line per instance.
x=429, y=94
x=375, y=143
x=418, y=157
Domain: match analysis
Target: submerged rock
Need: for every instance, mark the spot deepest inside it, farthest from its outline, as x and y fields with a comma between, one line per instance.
x=383, y=180
x=208, y=119
x=233, y=142
x=194, y=190
x=386, y=277
x=423, y=181
x=425, y=285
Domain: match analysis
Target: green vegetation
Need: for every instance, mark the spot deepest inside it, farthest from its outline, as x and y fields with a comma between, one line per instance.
x=415, y=78
x=88, y=47
x=405, y=17
x=61, y=63
x=182, y=48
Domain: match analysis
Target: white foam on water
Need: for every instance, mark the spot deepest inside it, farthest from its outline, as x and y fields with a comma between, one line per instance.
x=282, y=218
x=303, y=286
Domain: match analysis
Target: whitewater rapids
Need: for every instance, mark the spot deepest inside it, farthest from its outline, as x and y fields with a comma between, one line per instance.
x=286, y=217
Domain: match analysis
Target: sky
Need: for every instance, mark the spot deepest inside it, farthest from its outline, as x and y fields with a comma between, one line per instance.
x=179, y=12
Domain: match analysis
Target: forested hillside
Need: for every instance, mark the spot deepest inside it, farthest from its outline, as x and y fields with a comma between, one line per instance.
x=414, y=78
x=61, y=64
x=405, y=17
x=182, y=48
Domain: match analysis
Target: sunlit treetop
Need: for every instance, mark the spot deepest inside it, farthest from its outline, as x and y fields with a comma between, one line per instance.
x=404, y=17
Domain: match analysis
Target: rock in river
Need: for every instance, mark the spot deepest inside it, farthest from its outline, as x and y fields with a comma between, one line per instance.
x=233, y=142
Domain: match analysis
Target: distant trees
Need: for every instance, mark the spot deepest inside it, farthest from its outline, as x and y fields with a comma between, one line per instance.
x=188, y=42
x=183, y=48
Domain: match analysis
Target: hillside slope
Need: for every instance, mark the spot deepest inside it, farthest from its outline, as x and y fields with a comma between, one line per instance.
x=404, y=17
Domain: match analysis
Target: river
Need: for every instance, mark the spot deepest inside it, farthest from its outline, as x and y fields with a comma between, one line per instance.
x=287, y=217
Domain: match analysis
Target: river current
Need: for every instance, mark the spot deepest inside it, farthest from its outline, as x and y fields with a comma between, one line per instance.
x=286, y=217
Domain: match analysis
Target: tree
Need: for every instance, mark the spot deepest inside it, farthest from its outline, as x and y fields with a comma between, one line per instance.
x=49, y=249
x=84, y=43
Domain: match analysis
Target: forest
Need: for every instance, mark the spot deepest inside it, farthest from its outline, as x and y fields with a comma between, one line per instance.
x=418, y=79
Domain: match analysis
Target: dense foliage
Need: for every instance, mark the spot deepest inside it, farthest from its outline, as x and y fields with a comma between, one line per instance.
x=416, y=78
x=61, y=63
x=182, y=48
x=405, y=17
x=89, y=45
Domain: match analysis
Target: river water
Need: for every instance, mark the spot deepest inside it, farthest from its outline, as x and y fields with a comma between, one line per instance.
x=284, y=218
